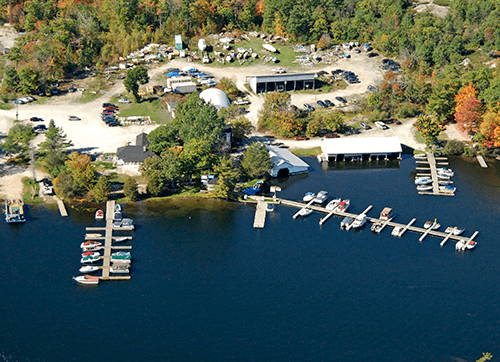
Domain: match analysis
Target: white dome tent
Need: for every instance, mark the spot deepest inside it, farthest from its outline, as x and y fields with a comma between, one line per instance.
x=216, y=97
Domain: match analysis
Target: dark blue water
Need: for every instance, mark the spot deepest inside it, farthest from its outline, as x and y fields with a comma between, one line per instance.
x=206, y=286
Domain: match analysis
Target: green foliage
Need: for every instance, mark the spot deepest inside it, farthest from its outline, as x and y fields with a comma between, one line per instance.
x=83, y=174
x=152, y=169
x=255, y=161
x=18, y=140
x=31, y=191
x=130, y=189
x=377, y=115
x=161, y=138
x=136, y=76
x=429, y=127
x=454, y=147
x=229, y=87
x=470, y=152
x=241, y=128
x=52, y=151
x=101, y=190
x=228, y=176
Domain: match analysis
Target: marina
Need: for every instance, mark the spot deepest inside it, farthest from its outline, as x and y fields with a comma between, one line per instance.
x=432, y=173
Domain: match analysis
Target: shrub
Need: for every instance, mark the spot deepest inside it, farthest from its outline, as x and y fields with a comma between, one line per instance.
x=454, y=147
x=470, y=152
x=130, y=189
x=408, y=110
x=376, y=116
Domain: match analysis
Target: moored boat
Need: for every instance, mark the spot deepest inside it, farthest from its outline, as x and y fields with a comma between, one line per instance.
x=442, y=176
x=376, y=227
x=91, y=253
x=424, y=180
x=471, y=244
x=445, y=171
x=333, y=204
x=14, y=211
x=435, y=225
x=396, y=231
x=308, y=196
x=88, y=269
x=346, y=222
x=424, y=187
x=87, y=279
x=89, y=259
x=458, y=231
x=119, y=269
x=269, y=207
x=90, y=244
x=386, y=213
x=420, y=155
x=305, y=211
x=447, y=189
x=343, y=205
x=93, y=235
x=459, y=245
x=444, y=182
x=358, y=222
x=321, y=197
x=99, y=215
x=121, y=240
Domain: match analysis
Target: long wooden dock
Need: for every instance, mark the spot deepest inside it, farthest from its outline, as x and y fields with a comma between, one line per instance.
x=60, y=205
x=404, y=227
x=108, y=243
x=260, y=215
x=432, y=161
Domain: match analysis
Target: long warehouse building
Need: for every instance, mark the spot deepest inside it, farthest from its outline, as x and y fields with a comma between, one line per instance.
x=357, y=149
x=281, y=82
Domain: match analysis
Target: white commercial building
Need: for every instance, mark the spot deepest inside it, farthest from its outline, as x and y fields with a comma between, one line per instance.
x=285, y=163
x=357, y=149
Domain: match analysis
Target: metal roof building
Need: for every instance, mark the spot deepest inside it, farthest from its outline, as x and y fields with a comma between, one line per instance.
x=281, y=82
x=285, y=163
x=357, y=149
x=216, y=97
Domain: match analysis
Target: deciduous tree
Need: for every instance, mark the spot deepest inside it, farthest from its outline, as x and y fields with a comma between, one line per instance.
x=468, y=109
x=136, y=76
x=428, y=127
x=80, y=167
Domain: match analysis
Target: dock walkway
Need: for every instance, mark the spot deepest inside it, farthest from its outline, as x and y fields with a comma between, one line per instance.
x=404, y=227
x=260, y=215
x=62, y=208
x=432, y=161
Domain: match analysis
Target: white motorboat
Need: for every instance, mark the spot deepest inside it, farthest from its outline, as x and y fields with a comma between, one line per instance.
x=470, y=244
x=460, y=245
x=333, y=204
x=321, y=197
x=269, y=47
x=93, y=235
x=454, y=230
x=99, y=215
x=376, y=227
x=423, y=180
x=121, y=240
x=358, y=222
x=447, y=189
x=305, y=211
x=87, y=279
x=117, y=216
x=121, y=261
x=343, y=205
x=88, y=269
x=119, y=269
x=435, y=225
x=270, y=207
x=124, y=254
x=118, y=208
x=444, y=182
x=424, y=187
x=90, y=244
x=442, y=176
x=396, y=231
x=91, y=253
x=308, y=196
x=445, y=171
x=346, y=222
x=89, y=259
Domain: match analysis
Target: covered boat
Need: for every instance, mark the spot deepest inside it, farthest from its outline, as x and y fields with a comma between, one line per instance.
x=90, y=253
x=358, y=222
x=308, y=196
x=346, y=222
x=89, y=259
x=269, y=47
x=202, y=44
x=396, y=231
x=424, y=187
x=87, y=279
x=119, y=269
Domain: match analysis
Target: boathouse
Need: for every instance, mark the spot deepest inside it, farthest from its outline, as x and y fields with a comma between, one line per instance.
x=358, y=149
x=285, y=163
x=281, y=82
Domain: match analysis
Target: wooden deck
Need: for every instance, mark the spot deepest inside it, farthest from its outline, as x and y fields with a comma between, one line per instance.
x=404, y=227
x=482, y=162
x=60, y=205
x=260, y=215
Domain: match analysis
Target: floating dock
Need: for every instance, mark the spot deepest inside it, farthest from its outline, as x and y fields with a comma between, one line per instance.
x=482, y=162
x=60, y=205
x=108, y=243
x=432, y=161
x=260, y=215
x=404, y=227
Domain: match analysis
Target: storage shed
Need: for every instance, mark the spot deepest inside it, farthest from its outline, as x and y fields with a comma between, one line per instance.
x=285, y=163
x=281, y=82
x=358, y=149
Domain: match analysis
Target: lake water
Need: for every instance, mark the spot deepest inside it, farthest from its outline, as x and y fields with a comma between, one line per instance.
x=206, y=286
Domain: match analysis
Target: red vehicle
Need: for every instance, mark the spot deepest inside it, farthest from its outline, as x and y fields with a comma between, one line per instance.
x=111, y=108
x=332, y=135
x=300, y=138
x=107, y=111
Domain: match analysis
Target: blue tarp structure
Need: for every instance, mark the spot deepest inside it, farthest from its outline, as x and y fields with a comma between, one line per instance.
x=173, y=74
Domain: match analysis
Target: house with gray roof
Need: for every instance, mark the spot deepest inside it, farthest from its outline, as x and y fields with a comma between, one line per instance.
x=285, y=163
x=134, y=155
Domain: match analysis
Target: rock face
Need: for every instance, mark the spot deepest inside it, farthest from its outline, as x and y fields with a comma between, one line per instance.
x=437, y=10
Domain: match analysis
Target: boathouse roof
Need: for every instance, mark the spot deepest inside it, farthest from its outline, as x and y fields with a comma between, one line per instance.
x=281, y=159
x=357, y=146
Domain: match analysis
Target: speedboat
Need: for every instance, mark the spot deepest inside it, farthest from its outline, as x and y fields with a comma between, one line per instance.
x=117, y=216
x=332, y=204
x=444, y=182
x=434, y=225
x=89, y=259
x=457, y=231
x=376, y=227
x=91, y=253
x=305, y=211
x=120, y=240
x=358, y=222
x=93, y=235
x=121, y=261
x=121, y=254
x=424, y=187
x=88, y=269
x=118, y=208
x=99, y=215
x=449, y=229
x=90, y=244
x=447, y=189
x=270, y=207
x=321, y=197
x=344, y=224
x=386, y=213
x=460, y=245
x=308, y=196
x=119, y=269
x=470, y=244
x=443, y=176
x=445, y=171
x=87, y=279
x=396, y=231
x=423, y=180
x=343, y=205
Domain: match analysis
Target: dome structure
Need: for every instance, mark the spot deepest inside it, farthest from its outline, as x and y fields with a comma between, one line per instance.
x=216, y=97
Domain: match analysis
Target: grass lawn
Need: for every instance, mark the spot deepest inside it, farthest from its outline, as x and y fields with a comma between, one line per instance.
x=307, y=151
x=31, y=186
x=151, y=107
x=6, y=106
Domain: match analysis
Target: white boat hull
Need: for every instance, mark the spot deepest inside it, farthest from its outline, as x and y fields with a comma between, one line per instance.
x=396, y=231
x=305, y=212
x=88, y=269
x=84, y=279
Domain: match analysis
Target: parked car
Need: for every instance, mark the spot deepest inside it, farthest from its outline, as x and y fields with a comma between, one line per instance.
x=241, y=101
x=397, y=121
x=36, y=119
x=124, y=100
x=74, y=118
x=321, y=104
x=364, y=125
x=40, y=128
x=329, y=103
x=340, y=99
x=308, y=107
x=279, y=70
x=371, y=55
x=381, y=125
x=300, y=138
x=71, y=89
x=107, y=111
x=372, y=88
x=104, y=105
x=331, y=135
